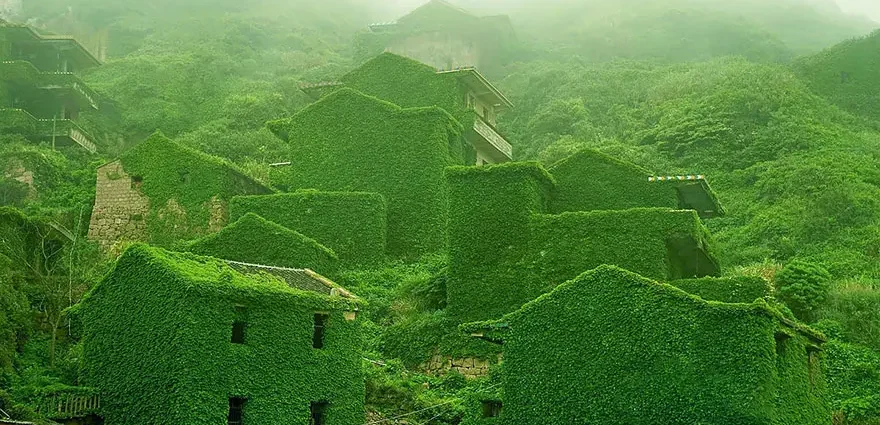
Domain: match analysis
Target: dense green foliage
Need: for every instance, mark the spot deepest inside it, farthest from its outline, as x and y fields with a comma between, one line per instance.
x=590, y=180
x=351, y=142
x=846, y=75
x=740, y=289
x=803, y=287
x=171, y=174
x=790, y=145
x=253, y=239
x=135, y=312
x=489, y=227
x=696, y=362
x=352, y=224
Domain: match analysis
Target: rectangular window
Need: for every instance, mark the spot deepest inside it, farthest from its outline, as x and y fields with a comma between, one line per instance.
x=318, y=335
x=812, y=366
x=318, y=410
x=491, y=408
x=239, y=326
x=236, y=411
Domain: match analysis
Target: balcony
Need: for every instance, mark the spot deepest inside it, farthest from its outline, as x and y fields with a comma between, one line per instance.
x=488, y=142
x=69, y=403
x=23, y=73
x=67, y=130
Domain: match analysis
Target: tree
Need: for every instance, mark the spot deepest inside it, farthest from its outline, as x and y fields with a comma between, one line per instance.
x=803, y=287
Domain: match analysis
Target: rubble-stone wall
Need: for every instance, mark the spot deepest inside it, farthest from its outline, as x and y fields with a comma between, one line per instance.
x=120, y=211
x=18, y=173
x=471, y=368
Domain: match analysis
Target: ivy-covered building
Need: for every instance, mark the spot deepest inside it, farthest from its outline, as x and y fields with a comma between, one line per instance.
x=444, y=36
x=464, y=93
x=516, y=230
x=171, y=338
x=162, y=192
x=253, y=239
x=41, y=96
x=613, y=347
x=351, y=142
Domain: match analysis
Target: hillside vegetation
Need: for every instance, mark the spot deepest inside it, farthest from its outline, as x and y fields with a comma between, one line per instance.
x=777, y=103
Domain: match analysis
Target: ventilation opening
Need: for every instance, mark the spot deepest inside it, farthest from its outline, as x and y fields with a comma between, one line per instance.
x=318, y=410
x=239, y=325
x=492, y=408
x=136, y=182
x=236, y=411
x=320, y=324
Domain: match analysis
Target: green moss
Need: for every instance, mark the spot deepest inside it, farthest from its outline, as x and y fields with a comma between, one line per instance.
x=590, y=180
x=172, y=173
x=354, y=143
x=157, y=333
x=352, y=224
x=740, y=289
x=416, y=340
x=656, y=355
x=253, y=239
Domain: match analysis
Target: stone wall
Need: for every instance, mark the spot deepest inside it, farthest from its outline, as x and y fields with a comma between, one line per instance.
x=469, y=367
x=17, y=172
x=120, y=211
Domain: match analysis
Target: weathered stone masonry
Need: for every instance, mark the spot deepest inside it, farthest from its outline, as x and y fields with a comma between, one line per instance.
x=121, y=210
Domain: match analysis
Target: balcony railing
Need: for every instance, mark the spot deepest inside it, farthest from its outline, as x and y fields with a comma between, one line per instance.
x=69, y=129
x=22, y=72
x=70, y=403
x=488, y=132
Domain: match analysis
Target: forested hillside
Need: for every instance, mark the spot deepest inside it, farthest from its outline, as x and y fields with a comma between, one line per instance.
x=777, y=103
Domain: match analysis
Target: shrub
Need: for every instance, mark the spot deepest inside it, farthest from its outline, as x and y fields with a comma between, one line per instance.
x=803, y=287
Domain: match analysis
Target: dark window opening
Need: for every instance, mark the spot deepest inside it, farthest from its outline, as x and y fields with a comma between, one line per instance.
x=137, y=182
x=688, y=259
x=238, y=332
x=492, y=408
x=236, y=411
x=239, y=325
x=812, y=366
x=320, y=324
x=184, y=176
x=780, y=343
x=318, y=410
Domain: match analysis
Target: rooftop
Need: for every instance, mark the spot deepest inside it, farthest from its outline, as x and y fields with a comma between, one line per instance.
x=302, y=279
x=24, y=33
x=481, y=86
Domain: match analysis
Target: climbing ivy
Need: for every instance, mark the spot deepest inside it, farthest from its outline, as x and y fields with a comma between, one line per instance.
x=352, y=224
x=351, y=142
x=632, y=351
x=157, y=332
x=253, y=239
x=739, y=289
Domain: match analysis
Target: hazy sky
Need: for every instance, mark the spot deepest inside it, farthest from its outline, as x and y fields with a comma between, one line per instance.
x=870, y=8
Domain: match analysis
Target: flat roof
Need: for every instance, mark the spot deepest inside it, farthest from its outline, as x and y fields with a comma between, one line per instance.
x=26, y=33
x=480, y=85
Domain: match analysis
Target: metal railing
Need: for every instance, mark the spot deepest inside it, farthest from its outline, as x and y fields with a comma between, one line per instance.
x=63, y=405
x=488, y=132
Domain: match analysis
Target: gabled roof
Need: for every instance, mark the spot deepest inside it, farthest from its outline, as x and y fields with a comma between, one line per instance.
x=433, y=5
x=252, y=238
x=622, y=280
x=158, y=142
x=302, y=279
x=24, y=33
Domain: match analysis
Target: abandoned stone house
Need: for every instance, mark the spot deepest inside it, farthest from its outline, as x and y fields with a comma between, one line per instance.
x=583, y=212
x=161, y=192
x=41, y=96
x=195, y=337
x=464, y=93
x=444, y=36
x=611, y=346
